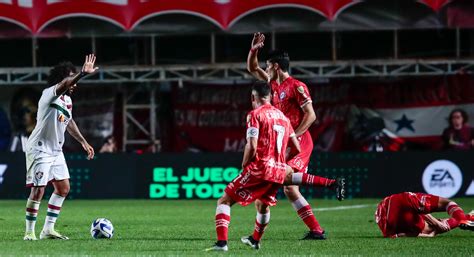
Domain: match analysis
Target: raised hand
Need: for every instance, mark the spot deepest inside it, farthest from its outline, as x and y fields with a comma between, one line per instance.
x=88, y=66
x=257, y=41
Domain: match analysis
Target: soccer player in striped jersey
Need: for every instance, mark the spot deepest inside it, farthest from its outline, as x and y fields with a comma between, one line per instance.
x=44, y=157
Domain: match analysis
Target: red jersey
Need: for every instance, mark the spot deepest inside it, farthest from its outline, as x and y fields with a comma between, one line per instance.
x=273, y=130
x=290, y=97
x=404, y=213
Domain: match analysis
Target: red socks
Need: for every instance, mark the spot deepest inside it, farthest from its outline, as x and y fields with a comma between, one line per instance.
x=311, y=180
x=306, y=214
x=469, y=217
x=453, y=223
x=455, y=211
x=222, y=221
x=261, y=223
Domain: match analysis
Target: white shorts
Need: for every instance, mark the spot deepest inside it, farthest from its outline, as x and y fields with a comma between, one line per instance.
x=41, y=168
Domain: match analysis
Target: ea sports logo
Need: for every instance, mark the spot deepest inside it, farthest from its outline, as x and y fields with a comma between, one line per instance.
x=443, y=178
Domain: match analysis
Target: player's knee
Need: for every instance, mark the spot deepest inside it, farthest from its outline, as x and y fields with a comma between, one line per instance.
x=290, y=191
x=225, y=199
x=63, y=191
x=260, y=206
x=288, y=176
x=263, y=208
x=36, y=193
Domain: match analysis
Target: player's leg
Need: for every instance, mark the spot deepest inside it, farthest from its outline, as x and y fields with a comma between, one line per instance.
x=60, y=173
x=299, y=164
x=55, y=203
x=302, y=207
x=222, y=219
x=244, y=189
x=458, y=217
x=470, y=215
x=37, y=177
x=427, y=203
x=32, y=207
x=299, y=178
x=305, y=212
x=261, y=222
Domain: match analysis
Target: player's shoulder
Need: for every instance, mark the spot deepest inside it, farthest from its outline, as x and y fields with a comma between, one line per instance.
x=296, y=82
x=297, y=85
x=253, y=113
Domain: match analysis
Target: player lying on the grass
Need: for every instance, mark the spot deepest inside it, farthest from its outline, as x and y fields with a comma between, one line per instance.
x=269, y=132
x=292, y=97
x=408, y=215
x=44, y=157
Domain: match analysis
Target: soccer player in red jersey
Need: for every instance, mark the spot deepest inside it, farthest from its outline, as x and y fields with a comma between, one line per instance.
x=264, y=167
x=408, y=215
x=292, y=97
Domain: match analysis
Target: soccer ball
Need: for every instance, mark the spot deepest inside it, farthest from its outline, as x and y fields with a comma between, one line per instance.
x=102, y=228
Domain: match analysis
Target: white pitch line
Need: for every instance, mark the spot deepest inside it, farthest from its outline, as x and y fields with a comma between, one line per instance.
x=344, y=207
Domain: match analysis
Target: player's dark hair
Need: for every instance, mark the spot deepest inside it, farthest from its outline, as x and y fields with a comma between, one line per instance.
x=465, y=117
x=261, y=88
x=60, y=72
x=280, y=57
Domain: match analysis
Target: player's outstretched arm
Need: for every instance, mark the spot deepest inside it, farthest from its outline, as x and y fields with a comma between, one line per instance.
x=308, y=119
x=70, y=81
x=73, y=130
x=252, y=59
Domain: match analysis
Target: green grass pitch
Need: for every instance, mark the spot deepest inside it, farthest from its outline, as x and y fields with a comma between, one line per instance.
x=186, y=228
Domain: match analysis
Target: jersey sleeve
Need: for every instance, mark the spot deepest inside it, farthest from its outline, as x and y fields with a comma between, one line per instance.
x=302, y=94
x=252, y=125
x=48, y=95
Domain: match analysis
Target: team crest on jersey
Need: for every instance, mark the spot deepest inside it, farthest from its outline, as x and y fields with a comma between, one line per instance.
x=39, y=175
x=300, y=89
x=282, y=95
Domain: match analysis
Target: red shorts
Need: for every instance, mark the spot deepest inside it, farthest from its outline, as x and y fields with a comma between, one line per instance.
x=300, y=162
x=247, y=188
x=404, y=213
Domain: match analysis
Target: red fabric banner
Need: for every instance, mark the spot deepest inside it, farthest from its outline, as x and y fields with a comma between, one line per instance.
x=410, y=112
x=34, y=15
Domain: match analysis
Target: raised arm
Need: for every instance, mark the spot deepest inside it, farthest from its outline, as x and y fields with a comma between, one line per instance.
x=252, y=58
x=73, y=130
x=70, y=81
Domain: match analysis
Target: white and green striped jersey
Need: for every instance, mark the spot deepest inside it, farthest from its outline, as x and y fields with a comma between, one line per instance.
x=54, y=114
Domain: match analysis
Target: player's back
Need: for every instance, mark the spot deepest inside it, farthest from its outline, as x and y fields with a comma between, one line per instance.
x=274, y=131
